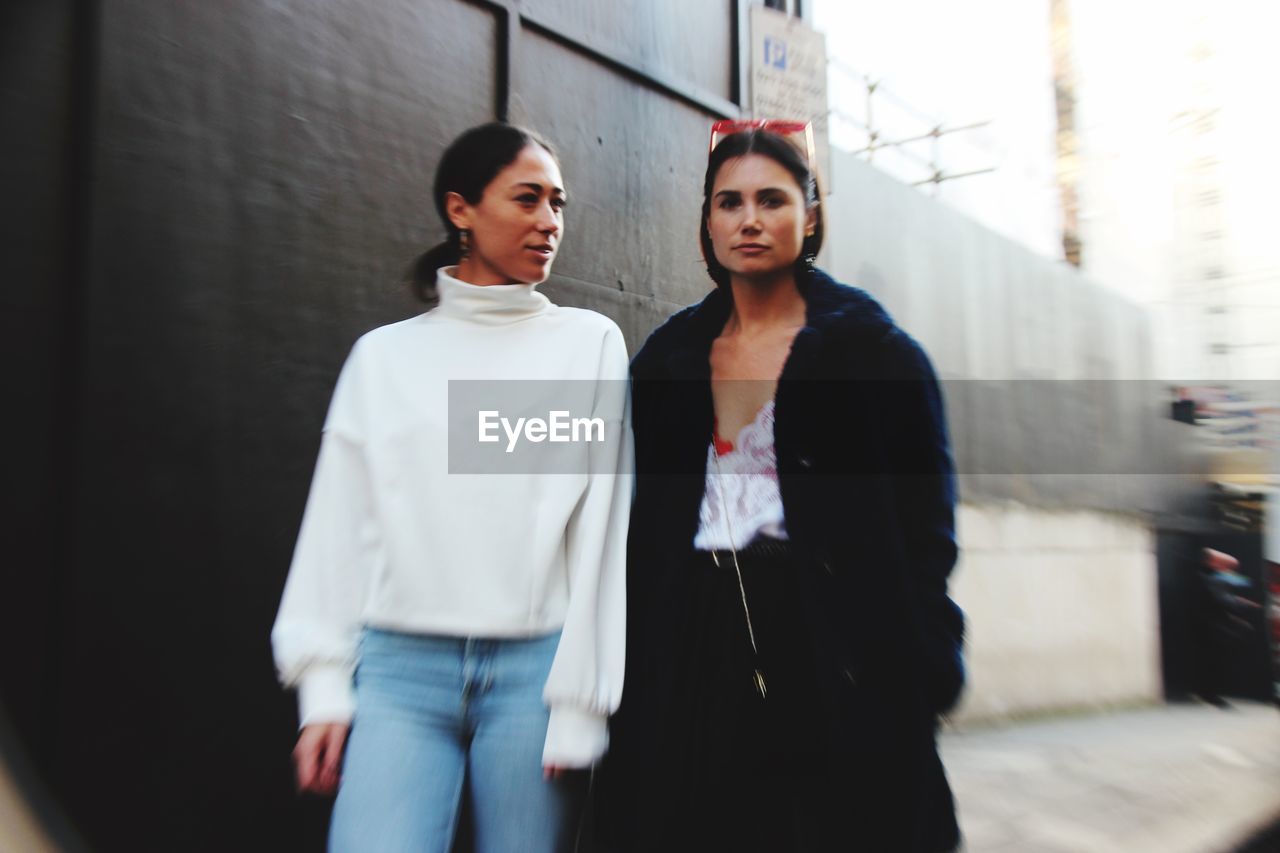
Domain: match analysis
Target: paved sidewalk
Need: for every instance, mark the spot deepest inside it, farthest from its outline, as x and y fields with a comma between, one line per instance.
x=1173, y=779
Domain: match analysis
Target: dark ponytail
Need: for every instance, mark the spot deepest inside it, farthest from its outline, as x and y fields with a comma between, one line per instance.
x=421, y=275
x=469, y=165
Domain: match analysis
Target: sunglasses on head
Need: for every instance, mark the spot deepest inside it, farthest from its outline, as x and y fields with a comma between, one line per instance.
x=798, y=133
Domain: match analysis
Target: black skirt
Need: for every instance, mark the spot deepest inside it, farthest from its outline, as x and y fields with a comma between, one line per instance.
x=701, y=760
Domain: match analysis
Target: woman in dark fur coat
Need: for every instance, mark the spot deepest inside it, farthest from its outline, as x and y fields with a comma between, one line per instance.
x=790, y=638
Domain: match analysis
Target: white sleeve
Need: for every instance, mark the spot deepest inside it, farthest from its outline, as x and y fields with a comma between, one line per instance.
x=585, y=684
x=318, y=625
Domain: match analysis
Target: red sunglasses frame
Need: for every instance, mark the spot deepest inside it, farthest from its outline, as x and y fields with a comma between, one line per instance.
x=798, y=133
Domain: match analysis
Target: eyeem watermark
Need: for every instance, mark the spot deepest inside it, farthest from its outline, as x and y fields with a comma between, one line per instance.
x=537, y=426
x=558, y=427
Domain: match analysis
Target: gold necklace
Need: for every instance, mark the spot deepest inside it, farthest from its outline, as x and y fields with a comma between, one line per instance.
x=742, y=590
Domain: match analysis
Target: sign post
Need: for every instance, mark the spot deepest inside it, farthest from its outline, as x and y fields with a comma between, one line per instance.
x=789, y=77
x=1271, y=568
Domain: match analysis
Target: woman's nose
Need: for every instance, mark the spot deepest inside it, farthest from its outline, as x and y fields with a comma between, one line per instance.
x=548, y=220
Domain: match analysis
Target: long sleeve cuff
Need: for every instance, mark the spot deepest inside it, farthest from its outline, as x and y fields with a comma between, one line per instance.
x=575, y=738
x=326, y=695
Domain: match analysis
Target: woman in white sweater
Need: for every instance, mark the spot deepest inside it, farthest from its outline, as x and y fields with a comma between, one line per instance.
x=454, y=607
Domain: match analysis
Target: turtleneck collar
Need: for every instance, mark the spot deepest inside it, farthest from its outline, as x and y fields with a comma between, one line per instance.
x=490, y=304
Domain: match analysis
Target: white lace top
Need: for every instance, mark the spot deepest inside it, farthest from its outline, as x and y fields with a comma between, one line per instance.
x=742, y=494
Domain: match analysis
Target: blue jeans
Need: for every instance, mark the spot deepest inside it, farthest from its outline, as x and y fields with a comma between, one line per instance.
x=434, y=714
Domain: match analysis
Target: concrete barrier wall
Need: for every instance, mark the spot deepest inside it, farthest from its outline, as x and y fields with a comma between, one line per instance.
x=1062, y=610
x=1065, y=447
x=1048, y=374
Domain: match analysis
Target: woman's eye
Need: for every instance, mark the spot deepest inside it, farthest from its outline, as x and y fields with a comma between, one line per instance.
x=527, y=198
x=772, y=202
x=728, y=203
x=558, y=203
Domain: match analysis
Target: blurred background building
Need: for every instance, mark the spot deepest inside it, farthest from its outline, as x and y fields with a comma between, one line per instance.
x=208, y=203
x=1102, y=151
x=1177, y=144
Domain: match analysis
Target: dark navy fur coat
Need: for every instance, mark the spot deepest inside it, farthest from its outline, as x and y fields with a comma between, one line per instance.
x=868, y=492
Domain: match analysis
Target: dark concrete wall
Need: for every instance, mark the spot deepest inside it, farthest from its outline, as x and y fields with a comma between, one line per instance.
x=213, y=200
x=39, y=267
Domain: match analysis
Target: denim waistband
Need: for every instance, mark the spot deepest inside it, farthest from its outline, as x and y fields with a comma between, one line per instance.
x=388, y=639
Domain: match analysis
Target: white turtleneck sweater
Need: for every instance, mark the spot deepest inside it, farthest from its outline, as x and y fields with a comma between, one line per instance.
x=392, y=539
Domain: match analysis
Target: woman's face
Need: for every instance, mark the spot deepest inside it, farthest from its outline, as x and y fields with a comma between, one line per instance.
x=758, y=217
x=517, y=224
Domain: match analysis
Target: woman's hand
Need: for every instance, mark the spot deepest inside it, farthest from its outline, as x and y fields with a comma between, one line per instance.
x=317, y=759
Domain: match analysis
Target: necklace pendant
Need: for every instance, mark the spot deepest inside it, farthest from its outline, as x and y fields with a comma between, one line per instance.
x=759, y=679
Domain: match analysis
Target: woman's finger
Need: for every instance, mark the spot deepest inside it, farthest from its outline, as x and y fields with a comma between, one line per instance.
x=306, y=761
x=331, y=762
